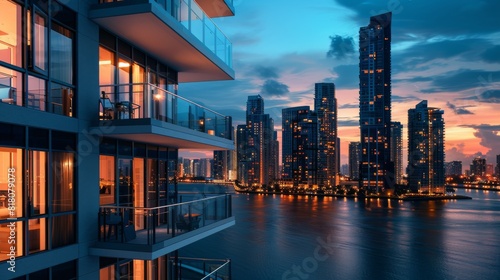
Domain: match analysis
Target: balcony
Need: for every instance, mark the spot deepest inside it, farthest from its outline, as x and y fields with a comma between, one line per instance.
x=196, y=268
x=179, y=33
x=148, y=233
x=132, y=111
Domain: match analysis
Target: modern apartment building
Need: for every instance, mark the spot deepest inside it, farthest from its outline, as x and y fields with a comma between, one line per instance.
x=375, y=102
x=397, y=152
x=354, y=158
x=92, y=116
x=256, y=145
x=300, y=154
x=325, y=106
x=426, y=149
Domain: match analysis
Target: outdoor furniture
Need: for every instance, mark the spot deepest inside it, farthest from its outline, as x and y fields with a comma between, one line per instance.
x=108, y=108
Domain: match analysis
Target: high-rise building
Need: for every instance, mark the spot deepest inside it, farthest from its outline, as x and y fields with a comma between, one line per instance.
x=300, y=155
x=490, y=169
x=453, y=168
x=223, y=164
x=478, y=167
x=497, y=168
x=258, y=145
x=426, y=149
x=90, y=127
x=325, y=106
x=354, y=158
x=375, y=102
x=397, y=151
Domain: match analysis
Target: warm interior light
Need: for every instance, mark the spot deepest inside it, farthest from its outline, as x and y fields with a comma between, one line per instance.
x=157, y=96
x=123, y=64
x=104, y=62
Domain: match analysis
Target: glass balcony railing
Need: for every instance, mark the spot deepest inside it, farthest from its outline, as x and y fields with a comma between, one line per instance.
x=149, y=226
x=197, y=268
x=194, y=19
x=143, y=100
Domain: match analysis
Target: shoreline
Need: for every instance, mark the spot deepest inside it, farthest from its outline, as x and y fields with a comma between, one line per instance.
x=385, y=197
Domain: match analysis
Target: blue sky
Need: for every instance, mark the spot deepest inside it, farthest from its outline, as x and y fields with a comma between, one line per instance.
x=447, y=52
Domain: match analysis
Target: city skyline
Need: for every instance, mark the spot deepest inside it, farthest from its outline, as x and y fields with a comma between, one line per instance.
x=450, y=61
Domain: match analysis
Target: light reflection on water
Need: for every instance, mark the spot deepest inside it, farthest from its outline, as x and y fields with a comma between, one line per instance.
x=368, y=238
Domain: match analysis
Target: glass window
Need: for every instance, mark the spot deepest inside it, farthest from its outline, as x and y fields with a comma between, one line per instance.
x=16, y=249
x=61, y=100
x=11, y=85
x=125, y=182
x=64, y=271
x=37, y=182
x=107, y=180
x=38, y=138
x=63, y=182
x=11, y=183
x=61, y=53
x=36, y=93
x=152, y=176
x=11, y=33
x=63, y=231
x=37, y=235
x=12, y=135
x=40, y=42
x=124, y=79
x=107, y=68
x=63, y=141
x=138, y=182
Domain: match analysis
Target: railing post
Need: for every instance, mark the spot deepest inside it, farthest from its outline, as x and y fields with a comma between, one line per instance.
x=155, y=217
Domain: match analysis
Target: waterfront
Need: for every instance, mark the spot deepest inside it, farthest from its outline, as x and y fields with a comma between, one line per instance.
x=364, y=239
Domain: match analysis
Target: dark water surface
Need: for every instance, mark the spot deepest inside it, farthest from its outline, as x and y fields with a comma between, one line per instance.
x=290, y=237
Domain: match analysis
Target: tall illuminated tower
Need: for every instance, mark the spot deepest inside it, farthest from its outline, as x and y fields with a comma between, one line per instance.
x=375, y=102
x=325, y=106
x=426, y=148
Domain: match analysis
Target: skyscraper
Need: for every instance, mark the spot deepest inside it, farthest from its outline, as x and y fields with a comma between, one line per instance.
x=257, y=146
x=354, y=158
x=453, y=168
x=375, y=102
x=397, y=151
x=478, y=167
x=426, y=148
x=325, y=106
x=497, y=168
x=300, y=146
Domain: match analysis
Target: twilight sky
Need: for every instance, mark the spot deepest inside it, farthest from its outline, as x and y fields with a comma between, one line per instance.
x=446, y=52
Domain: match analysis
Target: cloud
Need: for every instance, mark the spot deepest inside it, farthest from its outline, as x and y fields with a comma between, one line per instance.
x=399, y=98
x=266, y=72
x=491, y=55
x=344, y=123
x=347, y=76
x=274, y=88
x=460, y=80
x=340, y=47
x=459, y=110
x=424, y=19
x=489, y=136
x=489, y=96
x=349, y=106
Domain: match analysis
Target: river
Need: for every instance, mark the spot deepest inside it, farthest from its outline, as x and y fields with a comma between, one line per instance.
x=303, y=237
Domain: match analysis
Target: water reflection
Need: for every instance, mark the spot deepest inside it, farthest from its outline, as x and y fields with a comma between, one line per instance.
x=368, y=238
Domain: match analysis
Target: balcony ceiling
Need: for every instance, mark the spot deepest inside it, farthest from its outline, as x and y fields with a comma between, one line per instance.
x=159, y=34
x=217, y=8
x=161, y=133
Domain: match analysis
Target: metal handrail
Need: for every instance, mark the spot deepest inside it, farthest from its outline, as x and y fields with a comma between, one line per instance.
x=161, y=207
x=167, y=92
x=215, y=271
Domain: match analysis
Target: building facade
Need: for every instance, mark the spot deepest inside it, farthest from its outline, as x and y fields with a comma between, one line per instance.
x=426, y=149
x=453, y=168
x=256, y=146
x=375, y=102
x=478, y=167
x=354, y=159
x=325, y=106
x=91, y=122
x=397, y=151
